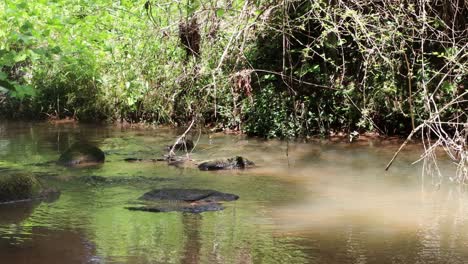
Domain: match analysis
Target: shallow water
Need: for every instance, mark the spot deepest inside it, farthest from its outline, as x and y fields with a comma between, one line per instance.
x=318, y=202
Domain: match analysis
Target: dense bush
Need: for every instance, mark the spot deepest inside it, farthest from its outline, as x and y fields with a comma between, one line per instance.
x=102, y=60
x=360, y=65
x=275, y=69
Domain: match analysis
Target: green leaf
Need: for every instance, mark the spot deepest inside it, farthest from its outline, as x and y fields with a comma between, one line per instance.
x=7, y=59
x=448, y=87
x=130, y=101
x=192, y=7
x=220, y=12
x=39, y=51
x=22, y=91
x=341, y=42
x=22, y=5
x=26, y=28
x=269, y=77
x=20, y=57
x=7, y=85
x=27, y=39
x=3, y=76
x=56, y=50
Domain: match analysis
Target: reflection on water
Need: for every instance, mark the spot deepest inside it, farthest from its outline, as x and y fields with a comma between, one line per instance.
x=318, y=202
x=12, y=213
x=43, y=245
x=192, y=244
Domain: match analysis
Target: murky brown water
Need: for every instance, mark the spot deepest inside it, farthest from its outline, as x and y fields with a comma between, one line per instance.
x=318, y=202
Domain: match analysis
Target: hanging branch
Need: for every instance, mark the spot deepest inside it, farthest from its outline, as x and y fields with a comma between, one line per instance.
x=428, y=123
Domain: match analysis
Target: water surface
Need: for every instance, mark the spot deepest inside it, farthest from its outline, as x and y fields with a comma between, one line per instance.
x=318, y=202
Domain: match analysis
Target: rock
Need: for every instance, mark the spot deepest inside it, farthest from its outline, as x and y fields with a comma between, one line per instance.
x=236, y=162
x=183, y=145
x=18, y=186
x=81, y=154
x=188, y=195
x=183, y=200
x=49, y=195
x=133, y=160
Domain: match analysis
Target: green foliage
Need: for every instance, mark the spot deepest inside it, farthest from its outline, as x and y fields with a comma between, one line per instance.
x=313, y=67
x=97, y=60
x=352, y=68
x=270, y=115
x=16, y=51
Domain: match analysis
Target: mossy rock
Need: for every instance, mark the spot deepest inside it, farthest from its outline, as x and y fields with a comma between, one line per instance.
x=18, y=186
x=81, y=154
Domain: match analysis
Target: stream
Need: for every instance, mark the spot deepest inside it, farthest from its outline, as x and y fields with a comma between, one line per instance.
x=316, y=202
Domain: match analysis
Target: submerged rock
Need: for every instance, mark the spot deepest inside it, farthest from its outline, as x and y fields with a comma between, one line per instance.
x=194, y=208
x=188, y=195
x=236, y=162
x=49, y=195
x=184, y=200
x=170, y=160
x=81, y=154
x=134, y=160
x=18, y=186
x=143, y=160
x=22, y=187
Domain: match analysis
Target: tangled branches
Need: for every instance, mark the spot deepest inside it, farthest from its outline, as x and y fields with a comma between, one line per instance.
x=452, y=136
x=400, y=67
x=189, y=33
x=445, y=124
